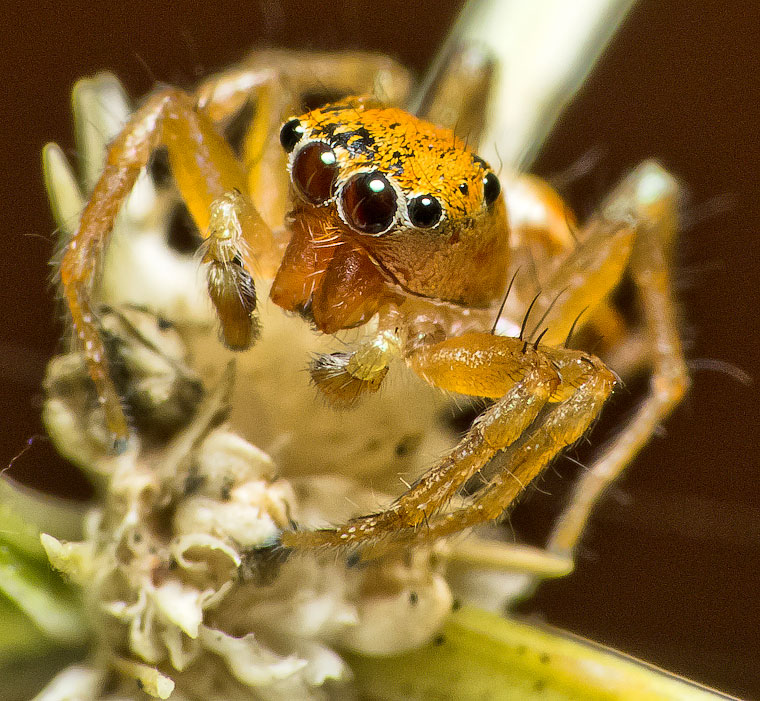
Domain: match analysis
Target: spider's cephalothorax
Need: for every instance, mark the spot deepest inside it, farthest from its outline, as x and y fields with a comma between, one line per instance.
x=387, y=216
x=386, y=205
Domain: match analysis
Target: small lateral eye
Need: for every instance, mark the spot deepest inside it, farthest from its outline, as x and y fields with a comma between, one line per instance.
x=425, y=211
x=291, y=134
x=491, y=188
x=314, y=172
x=369, y=203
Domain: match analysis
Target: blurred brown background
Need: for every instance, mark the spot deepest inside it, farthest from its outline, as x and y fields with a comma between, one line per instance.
x=668, y=570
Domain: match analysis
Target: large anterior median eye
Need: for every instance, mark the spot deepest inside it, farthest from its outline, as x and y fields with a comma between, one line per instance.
x=369, y=203
x=314, y=172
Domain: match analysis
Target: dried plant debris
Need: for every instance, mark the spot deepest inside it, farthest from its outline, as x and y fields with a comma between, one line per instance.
x=186, y=587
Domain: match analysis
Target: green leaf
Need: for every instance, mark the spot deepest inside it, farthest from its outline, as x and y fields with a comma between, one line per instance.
x=19, y=637
x=483, y=657
x=42, y=595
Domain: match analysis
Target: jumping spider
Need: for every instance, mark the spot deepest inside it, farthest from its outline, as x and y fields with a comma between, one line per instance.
x=395, y=225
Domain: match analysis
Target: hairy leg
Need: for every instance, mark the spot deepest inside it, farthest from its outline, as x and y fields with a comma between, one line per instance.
x=204, y=168
x=526, y=380
x=650, y=193
x=588, y=383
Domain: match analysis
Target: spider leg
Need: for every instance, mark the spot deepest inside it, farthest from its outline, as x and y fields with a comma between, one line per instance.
x=204, y=168
x=526, y=380
x=650, y=193
x=581, y=284
x=588, y=383
x=546, y=239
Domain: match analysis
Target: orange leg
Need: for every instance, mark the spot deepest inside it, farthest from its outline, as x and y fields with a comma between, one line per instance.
x=583, y=281
x=204, y=168
x=526, y=379
x=651, y=197
x=572, y=268
x=564, y=424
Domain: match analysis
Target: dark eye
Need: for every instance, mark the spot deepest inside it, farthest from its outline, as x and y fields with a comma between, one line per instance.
x=291, y=134
x=491, y=188
x=314, y=172
x=369, y=203
x=425, y=211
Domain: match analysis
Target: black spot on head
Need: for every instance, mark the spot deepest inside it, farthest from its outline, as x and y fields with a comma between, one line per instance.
x=439, y=640
x=544, y=658
x=356, y=142
x=413, y=598
x=360, y=141
x=397, y=164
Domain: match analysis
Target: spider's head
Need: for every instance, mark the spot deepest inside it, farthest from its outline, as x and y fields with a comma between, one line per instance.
x=385, y=204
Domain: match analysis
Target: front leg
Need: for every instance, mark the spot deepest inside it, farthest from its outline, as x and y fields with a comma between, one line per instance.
x=205, y=170
x=569, y=386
